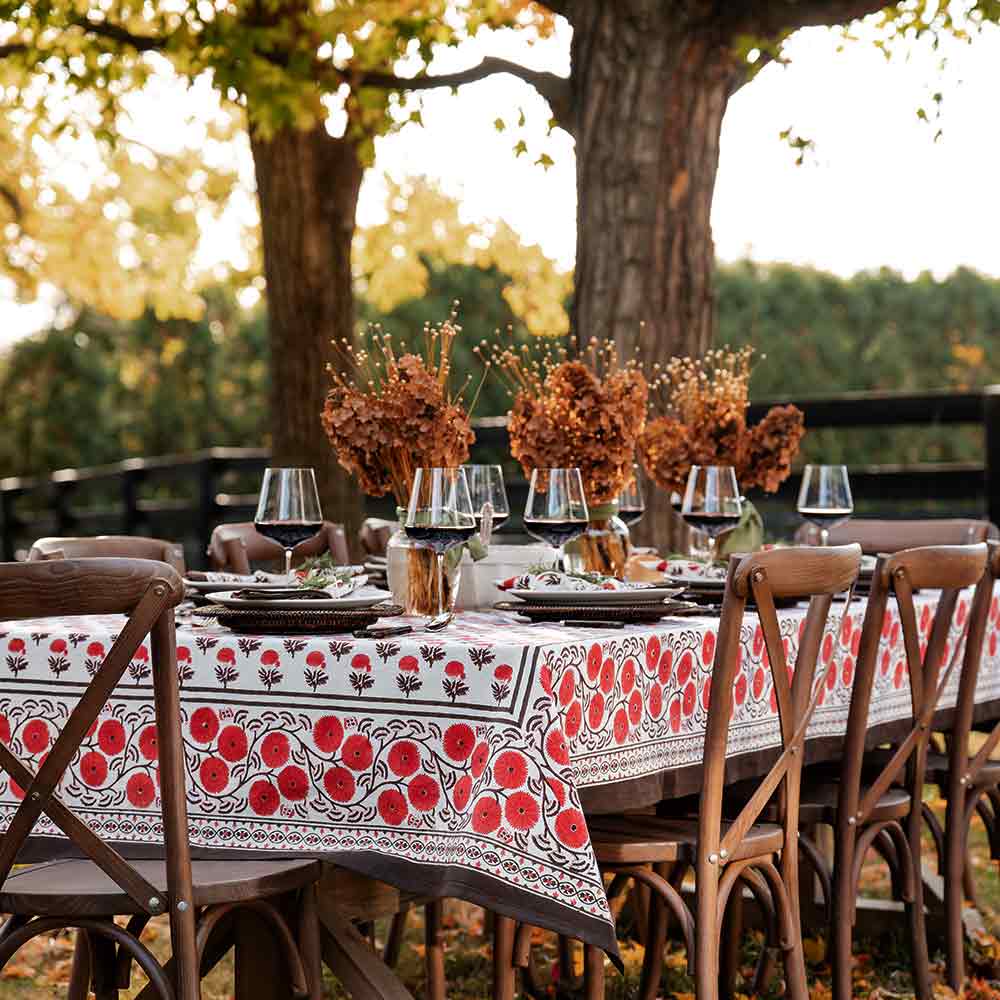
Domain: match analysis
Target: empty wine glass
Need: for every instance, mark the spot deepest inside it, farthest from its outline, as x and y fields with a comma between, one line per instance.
x=288, y=511
x=440, y=515
x=556, y=508
x=631, y=502
x=486, y=488
x=825, y=498
x=712, y=502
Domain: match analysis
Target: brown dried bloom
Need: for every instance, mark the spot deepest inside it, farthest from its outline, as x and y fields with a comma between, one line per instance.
x=387, y=416
x=700, y=406
x=570, y=413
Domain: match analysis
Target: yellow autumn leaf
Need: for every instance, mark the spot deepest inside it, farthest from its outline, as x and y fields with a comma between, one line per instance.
x=815, y=950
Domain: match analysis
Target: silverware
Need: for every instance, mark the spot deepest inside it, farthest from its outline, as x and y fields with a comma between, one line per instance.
x=439, y=622
x=383, y=631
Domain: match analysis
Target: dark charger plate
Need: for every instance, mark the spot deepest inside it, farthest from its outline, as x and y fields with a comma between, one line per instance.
x=296, y=621
x=639, y=613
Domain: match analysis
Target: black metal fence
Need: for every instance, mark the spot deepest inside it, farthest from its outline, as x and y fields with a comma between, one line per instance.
x=183, y=497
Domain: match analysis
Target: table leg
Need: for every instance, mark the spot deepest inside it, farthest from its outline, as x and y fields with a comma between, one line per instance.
x=434, y=950
x=503, y=957
x=260, y=965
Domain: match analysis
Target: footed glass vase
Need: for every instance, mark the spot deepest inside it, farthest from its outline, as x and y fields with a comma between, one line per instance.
x=603, y=548
x=413, y=578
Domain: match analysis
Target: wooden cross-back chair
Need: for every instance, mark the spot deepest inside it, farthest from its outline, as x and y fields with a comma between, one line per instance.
x=87, y=893
x=876, y=536
x=657, y=850
x=374, y=535
x=875, y=801
x=110, y=546
x=233, y=548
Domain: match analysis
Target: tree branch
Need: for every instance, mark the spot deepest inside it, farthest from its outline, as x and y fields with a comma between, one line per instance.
x=116, y=33
x=12, y=48
x=555, y=89
x=12, y=200
x=768, y=18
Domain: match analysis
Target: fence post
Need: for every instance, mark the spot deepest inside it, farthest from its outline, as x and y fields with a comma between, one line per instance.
x=207, y=507
x=131, y=515
x=991, y=458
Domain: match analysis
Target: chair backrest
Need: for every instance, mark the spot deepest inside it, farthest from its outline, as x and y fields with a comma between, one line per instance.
x=110, y=547
x=963, y=769
x=876, y=536
x=806, y=572
x=147, y=592
x=374, y=535
x=948, y=569
x=234, y=547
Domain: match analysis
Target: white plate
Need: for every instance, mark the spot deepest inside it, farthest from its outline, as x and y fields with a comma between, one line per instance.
x=211, y=587
x=692, y=582
x=350, y=603
x=597, y=597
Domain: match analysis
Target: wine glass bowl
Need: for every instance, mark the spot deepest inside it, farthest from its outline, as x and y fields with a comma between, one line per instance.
x=556, y=509
x=712, y=502
x=440, y=515
x=486, y=488
x=825, y=499
x=288, y=511
x=631, y=502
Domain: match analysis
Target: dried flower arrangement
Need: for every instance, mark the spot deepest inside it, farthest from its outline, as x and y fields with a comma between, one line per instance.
x=699, y=407
x=584, y=412
x=389, y=414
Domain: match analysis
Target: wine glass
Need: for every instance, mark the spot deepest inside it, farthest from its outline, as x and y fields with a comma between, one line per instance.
x=712, y=502
x=288, y=511
x=631, y=502
x=440, y=515
x=486, y=488
x=556, y=509
x=825, y=498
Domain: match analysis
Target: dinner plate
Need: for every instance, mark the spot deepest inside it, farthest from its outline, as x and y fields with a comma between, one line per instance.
x=607, y=598
x=215, y=586
x=228, y=599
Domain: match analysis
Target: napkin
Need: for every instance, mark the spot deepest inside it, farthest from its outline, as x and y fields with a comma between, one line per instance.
x=555, y=580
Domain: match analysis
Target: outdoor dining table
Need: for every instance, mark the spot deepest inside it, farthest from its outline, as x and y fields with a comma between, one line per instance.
x=457, y=764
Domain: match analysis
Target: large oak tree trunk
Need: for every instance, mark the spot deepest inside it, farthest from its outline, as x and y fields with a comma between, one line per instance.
x=307, y=185
x=650, y=85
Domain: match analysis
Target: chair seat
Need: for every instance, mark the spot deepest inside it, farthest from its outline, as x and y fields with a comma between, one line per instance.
x=938, y=770
x=79, y=888
x=638, y=839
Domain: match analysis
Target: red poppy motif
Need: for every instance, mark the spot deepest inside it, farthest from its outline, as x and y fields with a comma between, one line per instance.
x=758, y=642
x=684, y=669
x=894, y=634
x=558, y=790
x=826, y=651
x=593, y=661
x=15, y=646
x=461, y=792
x=264, y=798
x=141, y=654
x=293, y=783
x=149, y=745
x=886, y=625
x=4, y=730
x=424, y=792
x=270, y=658
x=409, y=664
x=480, y=756
x=571, y=828
x=404, y=758
x=274, y=750
x=656, y=701
x=898, y=678
x=93, y=769
x=845, y=630
x=546, y=678
x=140, y=790
x=95, y=649
x=521, y=811
x=226, y=655
x=510, y=769
x=392, y=807
x=847, y=671
x=328, y=732
x=204, y=725
x=708, y=648
x=361, y=661
x=925, y=618
x=666, y=666
x=485, y=814
x=504, y=672
x=993, y=644
x=555, y=746
x=57, y=646
x=574, y=718
x=35, y=737
x=595, y=713
x=740, y=689
x=689, y=698
x=620, y=726
x=183, y=654
x=454, y=669
x=339, y=784
x=233, y=744
x=886, y=661
x=357, y=752
x=635, y=707
x=831, y=675
x=111, y=737
x=628, y=676
x=567, y=687
x=963, y=610
x=315, y=659
x=675, y=713
x=607, y=675
x=758, y=682
x=214, y=774
x=459, y=740
x=706, y=694
x=652, y=653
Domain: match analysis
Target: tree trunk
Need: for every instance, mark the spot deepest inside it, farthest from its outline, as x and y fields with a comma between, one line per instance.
x=307, y=186
x=650, y=85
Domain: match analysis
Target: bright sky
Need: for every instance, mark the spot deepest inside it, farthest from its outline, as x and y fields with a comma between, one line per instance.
x=877, y=190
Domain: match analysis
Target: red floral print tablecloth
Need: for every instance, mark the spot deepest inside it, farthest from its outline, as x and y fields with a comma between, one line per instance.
x=450, y=764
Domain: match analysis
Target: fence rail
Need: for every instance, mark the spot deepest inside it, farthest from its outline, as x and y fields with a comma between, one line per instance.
x=184, y=496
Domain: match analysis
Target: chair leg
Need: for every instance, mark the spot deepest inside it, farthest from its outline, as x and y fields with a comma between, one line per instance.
x=915, y=911
x=310, y=948
x=840, y=933
x=656, y=940
x=731, y=938
x=593, y=973
x=394, y=942
x=79, y=973
x=104, y=963
x=434, y=953
x=503, y=957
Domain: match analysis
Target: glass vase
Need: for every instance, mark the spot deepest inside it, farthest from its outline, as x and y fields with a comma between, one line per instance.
x=412, y=573
x=602, y=548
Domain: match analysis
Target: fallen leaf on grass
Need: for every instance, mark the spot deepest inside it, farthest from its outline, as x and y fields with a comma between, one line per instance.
x=815, y=950
x=18, y=971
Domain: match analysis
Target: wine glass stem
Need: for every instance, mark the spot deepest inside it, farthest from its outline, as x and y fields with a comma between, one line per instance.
x=288, y=562
x=440, y=569
x=712, y=542
x=824, y=536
